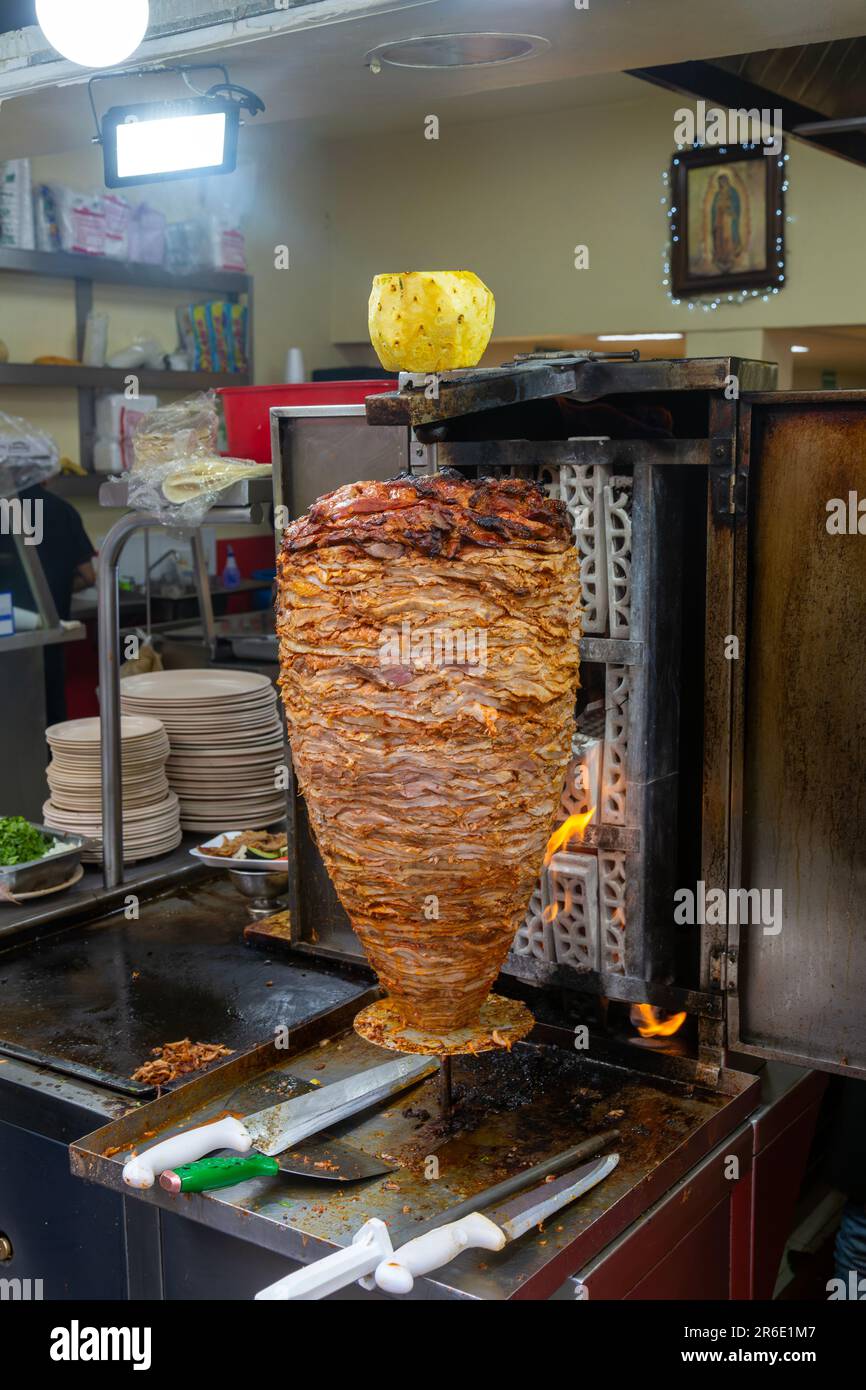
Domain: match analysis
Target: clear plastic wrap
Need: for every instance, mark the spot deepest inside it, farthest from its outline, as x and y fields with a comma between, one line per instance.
x=27, y=455
x=178, y=473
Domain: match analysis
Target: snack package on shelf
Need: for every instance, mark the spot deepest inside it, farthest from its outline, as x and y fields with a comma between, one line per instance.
x=227, y=245
x=46, y=218
x=214, y=335
x=147, y=235
x=16, y=205
x=79, y=220
x=118, y=218
x=240, y=321
x=52, y=217
x=27, y=455
x=219, y=315
x=117, y=418
x=204, y=356
x=185, y=335
x=177, y=472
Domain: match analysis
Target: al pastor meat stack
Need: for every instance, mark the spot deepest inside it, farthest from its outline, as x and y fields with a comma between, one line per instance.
x=429, y=664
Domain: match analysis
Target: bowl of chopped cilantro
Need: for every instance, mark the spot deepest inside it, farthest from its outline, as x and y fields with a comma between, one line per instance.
x=33, y=857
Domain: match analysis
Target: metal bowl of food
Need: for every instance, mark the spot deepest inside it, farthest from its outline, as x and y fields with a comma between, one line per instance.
x=263, y=889
x=23, y=869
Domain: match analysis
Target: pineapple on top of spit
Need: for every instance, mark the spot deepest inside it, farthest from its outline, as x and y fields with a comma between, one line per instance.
x=430, y=320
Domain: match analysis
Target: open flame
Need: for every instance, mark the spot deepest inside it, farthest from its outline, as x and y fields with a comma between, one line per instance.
x=655, y=1023
x=573, y=828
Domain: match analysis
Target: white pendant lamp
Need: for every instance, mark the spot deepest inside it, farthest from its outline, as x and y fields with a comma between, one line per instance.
x=94, y=33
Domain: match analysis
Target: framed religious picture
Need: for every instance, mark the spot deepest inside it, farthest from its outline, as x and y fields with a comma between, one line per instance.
x=727, y=223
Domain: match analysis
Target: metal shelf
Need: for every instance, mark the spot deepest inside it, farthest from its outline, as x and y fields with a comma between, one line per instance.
x=114, y=378
x=250, y=492
x=86, y=271
x=43, y=637
x=101, y=270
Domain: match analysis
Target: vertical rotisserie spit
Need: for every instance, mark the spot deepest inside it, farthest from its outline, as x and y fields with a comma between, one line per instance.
x=429, y=664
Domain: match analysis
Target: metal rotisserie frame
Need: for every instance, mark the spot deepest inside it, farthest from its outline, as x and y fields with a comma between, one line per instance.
x=311, y=457
x=742, y=471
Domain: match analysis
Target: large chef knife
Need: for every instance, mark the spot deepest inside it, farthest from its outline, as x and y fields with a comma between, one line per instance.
x=372, y=1252
x=326, y=1159
x=274, y=1129
x=397, y=1273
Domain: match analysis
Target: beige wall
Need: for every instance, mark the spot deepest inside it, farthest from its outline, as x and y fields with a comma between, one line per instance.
x=511, y=199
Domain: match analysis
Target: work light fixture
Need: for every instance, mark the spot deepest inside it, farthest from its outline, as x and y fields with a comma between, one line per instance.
x=155, y=141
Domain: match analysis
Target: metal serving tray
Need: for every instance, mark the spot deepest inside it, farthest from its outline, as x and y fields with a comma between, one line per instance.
x=48, y=872
x=523, y=1106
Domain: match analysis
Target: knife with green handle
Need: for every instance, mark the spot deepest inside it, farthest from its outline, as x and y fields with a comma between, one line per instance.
x=271, y=1130
x=322, y=1159
x=210, y=1173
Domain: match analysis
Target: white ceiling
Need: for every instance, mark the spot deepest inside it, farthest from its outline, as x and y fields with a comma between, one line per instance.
x=316, y=75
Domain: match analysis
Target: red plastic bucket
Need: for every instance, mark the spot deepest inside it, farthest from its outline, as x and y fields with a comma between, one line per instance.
x=246, y=408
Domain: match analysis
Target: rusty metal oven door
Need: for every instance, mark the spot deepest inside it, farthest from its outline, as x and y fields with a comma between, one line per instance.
x=796, y=978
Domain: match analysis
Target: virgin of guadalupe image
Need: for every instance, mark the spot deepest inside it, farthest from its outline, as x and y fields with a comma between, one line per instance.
x=725, y=224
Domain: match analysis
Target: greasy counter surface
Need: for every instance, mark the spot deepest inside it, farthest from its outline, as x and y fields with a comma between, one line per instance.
x=511, y=1111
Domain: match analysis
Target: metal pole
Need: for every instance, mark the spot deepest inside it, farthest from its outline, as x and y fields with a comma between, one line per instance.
x=109, y=675
x=445, y=1095
x=109, y=693
x=205, y=602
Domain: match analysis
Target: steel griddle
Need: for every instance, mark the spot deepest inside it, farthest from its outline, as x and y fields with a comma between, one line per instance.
x=92, y=1000
x=518, y=1109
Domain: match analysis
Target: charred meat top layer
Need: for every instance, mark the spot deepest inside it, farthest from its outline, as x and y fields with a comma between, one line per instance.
x=441, y=515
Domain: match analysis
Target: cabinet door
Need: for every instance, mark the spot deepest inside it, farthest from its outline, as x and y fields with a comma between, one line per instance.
x=797, y=978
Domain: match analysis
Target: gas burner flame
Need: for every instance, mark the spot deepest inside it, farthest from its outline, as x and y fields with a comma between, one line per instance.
x=655, y=1023
x=573, y=828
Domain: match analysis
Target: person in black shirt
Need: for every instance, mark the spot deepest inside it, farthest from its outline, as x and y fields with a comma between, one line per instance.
x=66, y=555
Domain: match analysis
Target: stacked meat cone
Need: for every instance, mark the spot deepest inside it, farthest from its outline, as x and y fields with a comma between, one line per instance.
x=429, y=664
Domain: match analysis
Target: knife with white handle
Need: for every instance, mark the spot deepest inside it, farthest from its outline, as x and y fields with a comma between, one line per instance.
x=397, y=1273
x=372, y=1253
x=227, y=1133
x=370, y=1245
x=276, y=1128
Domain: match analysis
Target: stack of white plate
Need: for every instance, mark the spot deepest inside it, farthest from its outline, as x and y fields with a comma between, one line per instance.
x=151, y=810
x=226, y=740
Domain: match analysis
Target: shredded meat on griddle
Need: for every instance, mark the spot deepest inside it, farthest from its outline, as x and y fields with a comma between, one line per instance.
x=432, y=785
x=176, y=1059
